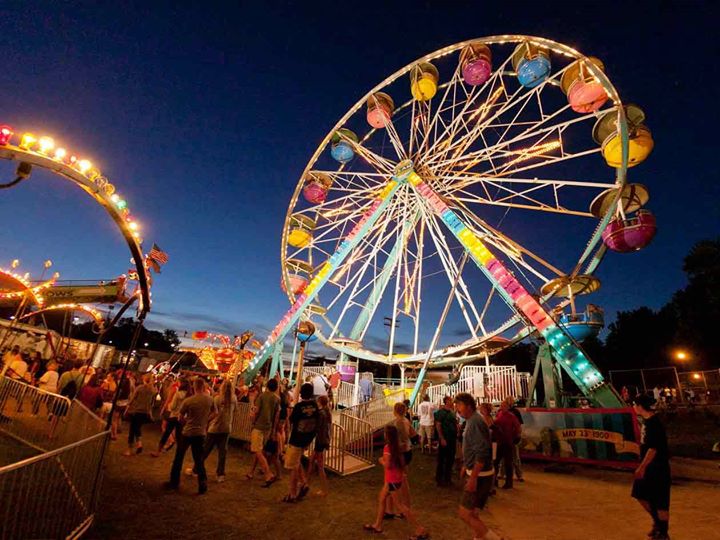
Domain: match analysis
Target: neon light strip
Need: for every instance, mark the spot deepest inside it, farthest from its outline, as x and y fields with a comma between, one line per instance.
x=573, y=360
x=303, y=300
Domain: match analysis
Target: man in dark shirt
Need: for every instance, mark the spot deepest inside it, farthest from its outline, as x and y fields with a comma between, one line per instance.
x=652, y=477
x=517, y=464
x=194, y=415
x=304, y=426
x=477, y=464
x=446, y=428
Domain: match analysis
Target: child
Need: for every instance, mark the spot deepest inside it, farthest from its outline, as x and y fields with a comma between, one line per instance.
x=394, y=464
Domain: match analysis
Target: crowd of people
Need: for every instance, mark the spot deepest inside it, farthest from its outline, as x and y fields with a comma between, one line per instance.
x=476, y=447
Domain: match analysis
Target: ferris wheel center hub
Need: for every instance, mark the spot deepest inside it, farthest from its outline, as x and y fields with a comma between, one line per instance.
x=403, y=170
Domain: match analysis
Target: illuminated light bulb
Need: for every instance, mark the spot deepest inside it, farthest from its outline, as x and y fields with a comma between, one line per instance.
x=45, y=144
x=133, y=226
x=84, y=165
x=72, y=160
x=115, y=198
x=6, y=132
x=15, y=263
x=121, y=204
x=27, y=141
x=109, y=189
x=60, y=154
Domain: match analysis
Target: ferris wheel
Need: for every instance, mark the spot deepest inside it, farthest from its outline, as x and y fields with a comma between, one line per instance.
x=505, y=150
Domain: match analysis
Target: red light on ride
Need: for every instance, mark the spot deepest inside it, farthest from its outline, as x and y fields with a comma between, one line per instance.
x=5, y=133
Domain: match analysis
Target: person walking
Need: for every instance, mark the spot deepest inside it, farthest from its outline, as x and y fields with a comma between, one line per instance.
x=172, y=425
x=446, y=427
x=304, y=420
x=335, y=379
x=508, y=433
x=194, y=412
x=49, y=380
x=90, y=394
x=139, y=412
x=266, y=416
x=651, y=486
x=477, y=466
x=517, y=464
x=320, y=386
x=220, y=424
x=426, y=411
x=394, y=475
x=322, y=443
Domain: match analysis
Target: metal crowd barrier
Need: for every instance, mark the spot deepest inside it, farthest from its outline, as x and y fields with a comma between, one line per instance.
x=54, y=493
x=242, y=423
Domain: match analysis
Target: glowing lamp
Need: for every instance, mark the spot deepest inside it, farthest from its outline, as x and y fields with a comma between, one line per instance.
x=6, y=132
x=696, y=376
x=133, y=226
x=115, y=198
x=60, y=154
x=27, y=141
x=84, y=165
x=121, y=204
x=45, y=144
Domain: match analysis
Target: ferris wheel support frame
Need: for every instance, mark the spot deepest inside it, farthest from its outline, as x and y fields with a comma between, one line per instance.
x=303, y=300
x=569, y=354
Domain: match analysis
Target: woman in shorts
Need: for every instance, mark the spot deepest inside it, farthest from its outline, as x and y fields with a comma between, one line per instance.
x=394, y=464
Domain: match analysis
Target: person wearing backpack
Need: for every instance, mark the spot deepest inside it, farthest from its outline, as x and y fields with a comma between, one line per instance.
x=71, y=381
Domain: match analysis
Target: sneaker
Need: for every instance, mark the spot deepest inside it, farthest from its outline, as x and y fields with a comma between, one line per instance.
x=190, y=472
x=221, y=479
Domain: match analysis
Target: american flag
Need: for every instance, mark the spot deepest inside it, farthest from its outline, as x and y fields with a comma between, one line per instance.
x=158, y=255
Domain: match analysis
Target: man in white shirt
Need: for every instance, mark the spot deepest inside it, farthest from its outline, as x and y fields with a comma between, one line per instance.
x=9, y=357
x=320, y=385
x=18, y=368
x=426, y=411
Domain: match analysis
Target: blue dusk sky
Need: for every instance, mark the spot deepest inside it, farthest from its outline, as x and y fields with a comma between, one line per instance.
x=204, y=115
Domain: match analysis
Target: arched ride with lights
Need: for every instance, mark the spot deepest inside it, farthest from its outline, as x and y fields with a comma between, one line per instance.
x=493, y=149
x=31, y=151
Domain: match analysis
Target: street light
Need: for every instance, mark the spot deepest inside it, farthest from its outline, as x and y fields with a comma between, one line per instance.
x=681, y=355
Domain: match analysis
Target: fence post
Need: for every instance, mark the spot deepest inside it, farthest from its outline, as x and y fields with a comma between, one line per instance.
x=679, y=387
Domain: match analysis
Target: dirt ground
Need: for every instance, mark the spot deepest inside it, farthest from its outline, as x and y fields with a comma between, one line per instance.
x=584, y=504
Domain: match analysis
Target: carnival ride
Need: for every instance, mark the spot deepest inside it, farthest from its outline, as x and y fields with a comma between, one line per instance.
x=499, y=138
x=73, y=296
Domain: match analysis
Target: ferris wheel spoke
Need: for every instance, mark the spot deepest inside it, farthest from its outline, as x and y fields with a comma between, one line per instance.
x=536, y=130
x=430, y=125
x=467, y=197
x=379, y=163
x=450, y=265
x=355, y=280
x=481, y=119
x=490, y=87
x=508, y=246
